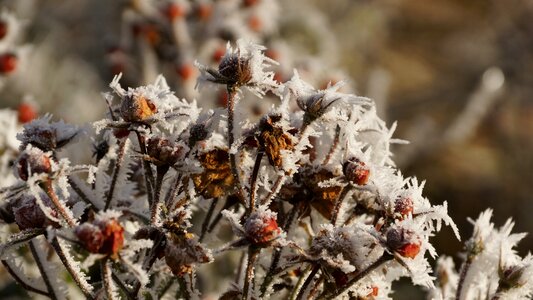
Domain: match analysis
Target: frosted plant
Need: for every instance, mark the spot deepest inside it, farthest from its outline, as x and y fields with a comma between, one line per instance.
x=307, y=195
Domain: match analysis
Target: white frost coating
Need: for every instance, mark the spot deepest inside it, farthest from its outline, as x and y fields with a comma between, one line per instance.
x=75, y=265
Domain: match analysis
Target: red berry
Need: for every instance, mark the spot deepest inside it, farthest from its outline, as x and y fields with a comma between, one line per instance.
x=26, y=113
x=3, y=29
x=374, y=293
x=261, y=228
x=8, y=63
x=255, y=23
x=356, y=171
x=249, y=3
x=204, y=11
x=409, y=250
x=403, y=206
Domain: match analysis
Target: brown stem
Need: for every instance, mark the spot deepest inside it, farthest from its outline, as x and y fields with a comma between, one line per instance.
x=253, y=180
x=464, y=271
x=383, y=259
x=122, y=286
x=185, y=290
x=338, y=204
x=154, y=216
x=334, y=146
x=148, y=174
x=315, y=287
x=106, y=278
x=118, y=164
x=71, y=269
x=247, y=291
x=47, y=186
x=308, y=281
x=232, y=93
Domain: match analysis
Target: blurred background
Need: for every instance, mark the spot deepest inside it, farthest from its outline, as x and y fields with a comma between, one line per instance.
x=456, y=75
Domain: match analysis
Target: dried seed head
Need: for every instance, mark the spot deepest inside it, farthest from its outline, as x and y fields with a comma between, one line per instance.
x=512, y=277
x=28, y=214
x=403, y=242
x=183, y=251
x=46, y=135
x=403, y=206
x=33, y=161
x=261, y=227
x=137, y=108
x=216, y=180
x=356, y=171
x=314, y=106
x=236, y=69
x=103, y=236
x=164, y=152
x=8, y=63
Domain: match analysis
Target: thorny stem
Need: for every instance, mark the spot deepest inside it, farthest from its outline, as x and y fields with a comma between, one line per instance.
x=106, y=278
x=207, y=218
x=118, y=164
x=20, y=237
x=247, y=291
x=338, y=204
x=308, y=281
x=47, y=186
x=184, y=288
x=333, y=146
x=148, y=262
x=72, y=271
x=218, y=216
x=297, y=288
x=383, y=259
x=232, y=93
x=464, y=271
x=253, y=180
x=161, y=171
x=315, y=287
x=42, y=270
x=171, y=194
x=275, y=189
x=122, y=286
x=149, y=176
x=22, y=282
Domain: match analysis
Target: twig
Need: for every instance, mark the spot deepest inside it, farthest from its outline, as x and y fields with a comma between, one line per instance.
x=22, y=282
x=232, y=93
x=247, y=291
x=148, y=174
x=122, y=286
x=383, y=259
x=154, y=216
x=338, y=204
x=118, y=164
x=107, y=277
x=464, y=271
x=19, y=238
x=207, y=218
x=253, y=180
x=48, y=188
x=42, y=270
x=82, y=284
x=308, y=281
x=333, y=146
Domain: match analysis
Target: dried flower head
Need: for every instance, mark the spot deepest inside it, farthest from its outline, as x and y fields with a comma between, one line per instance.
x=137, y=108
x=216, y=179
x=47, y=135
x=274, y=139
x=261, y=227
x=104, y=235
x=183, y=251
x=162, y=151
x=28, y=214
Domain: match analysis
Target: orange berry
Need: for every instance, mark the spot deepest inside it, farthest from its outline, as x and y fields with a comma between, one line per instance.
x=173, y=11
x=186, y=71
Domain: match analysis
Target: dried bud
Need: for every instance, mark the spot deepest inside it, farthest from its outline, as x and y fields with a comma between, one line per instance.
x=198, y=132
x=511, y=277
x=26, y=113
x=28, y=214
x=47, y=136
x=104, y=236
x=137, y=108
x=33, y=161
x=8, y=63
x=164, y=152
x=314, y=106
x=183, y=251
x=356, y=171
x=403, y=206
x=261, y=227
x=403, y=242
x=216, y=179
x=236, y=69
